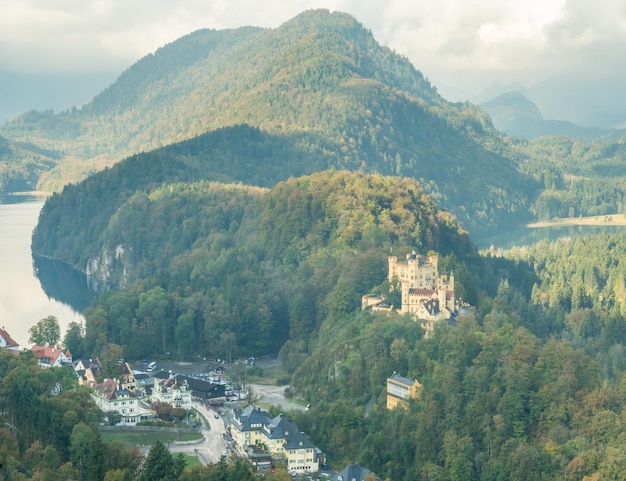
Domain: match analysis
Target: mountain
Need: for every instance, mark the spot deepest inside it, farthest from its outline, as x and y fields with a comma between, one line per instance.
x=21, y=164
x=591, y=100
x=296, y=77
x=246, y=255
x=513, y=113
x=320, y=83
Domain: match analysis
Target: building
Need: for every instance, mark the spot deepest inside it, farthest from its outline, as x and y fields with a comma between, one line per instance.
x=87, y=370
x=111, y=397
x=7, y=342
x=128, y=380
x=171, y=390
x=423, y=290
x=278, y=436
x=52, y=356
x=400, y=389
x=355, y=472
x=376, y=303
x=200, y=389
x=424, y=293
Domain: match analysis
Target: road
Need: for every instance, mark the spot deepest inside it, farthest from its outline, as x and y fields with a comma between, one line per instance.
x=274, y=396
x=214, y=442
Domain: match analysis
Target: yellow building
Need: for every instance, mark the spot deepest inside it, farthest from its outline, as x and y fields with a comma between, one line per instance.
x=248, y=427
x=424, y=293
x=277, y=436
x=400, y=389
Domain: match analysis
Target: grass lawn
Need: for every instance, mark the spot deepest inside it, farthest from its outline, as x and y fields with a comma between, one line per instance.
x=146, y=438
x=189, y=460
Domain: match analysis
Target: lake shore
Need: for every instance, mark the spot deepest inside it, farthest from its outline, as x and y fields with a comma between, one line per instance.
x=598, y=220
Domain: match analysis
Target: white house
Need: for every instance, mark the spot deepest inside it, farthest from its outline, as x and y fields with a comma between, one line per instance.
x=111, y=396
x=6, y=342
x=51, y=356
x=170, y=391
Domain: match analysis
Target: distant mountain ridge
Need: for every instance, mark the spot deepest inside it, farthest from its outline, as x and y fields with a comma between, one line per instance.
x=322, y=84
x=592, y=100
x=211, y=79
x=513, y=113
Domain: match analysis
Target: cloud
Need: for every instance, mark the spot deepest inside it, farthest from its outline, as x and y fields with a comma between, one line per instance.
x=451, y=41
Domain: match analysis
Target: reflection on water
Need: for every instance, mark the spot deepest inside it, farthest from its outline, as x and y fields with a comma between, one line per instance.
x=524, y=236
x=23, y=301
x=63, y=283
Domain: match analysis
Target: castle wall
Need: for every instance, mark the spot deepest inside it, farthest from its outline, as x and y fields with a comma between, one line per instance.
x=420, y=281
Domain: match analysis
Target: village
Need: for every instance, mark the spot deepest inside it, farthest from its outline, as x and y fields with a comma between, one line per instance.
x=226, y=416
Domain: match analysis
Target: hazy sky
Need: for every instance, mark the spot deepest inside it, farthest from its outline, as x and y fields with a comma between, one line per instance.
x=465, y=44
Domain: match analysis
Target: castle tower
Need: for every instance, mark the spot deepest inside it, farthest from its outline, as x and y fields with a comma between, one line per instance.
x=420, y=284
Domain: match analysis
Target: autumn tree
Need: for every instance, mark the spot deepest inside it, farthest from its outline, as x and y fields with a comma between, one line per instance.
x=46, y=332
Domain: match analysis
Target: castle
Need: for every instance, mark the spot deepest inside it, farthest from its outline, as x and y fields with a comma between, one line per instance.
x=426, y=294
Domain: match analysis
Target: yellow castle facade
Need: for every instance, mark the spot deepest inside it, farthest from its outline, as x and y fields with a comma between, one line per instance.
x=424, y=293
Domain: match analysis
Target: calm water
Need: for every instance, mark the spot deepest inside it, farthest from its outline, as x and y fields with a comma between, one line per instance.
x=23, y=300
x=524, y=236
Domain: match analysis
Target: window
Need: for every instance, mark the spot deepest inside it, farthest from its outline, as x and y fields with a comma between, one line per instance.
x=397, y=390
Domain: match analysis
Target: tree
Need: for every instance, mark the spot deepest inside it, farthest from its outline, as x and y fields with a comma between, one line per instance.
x=73, y=340
x=46, y=332
x=238, y=374
x=228, y=341
x=80, y=448
x=159, y=464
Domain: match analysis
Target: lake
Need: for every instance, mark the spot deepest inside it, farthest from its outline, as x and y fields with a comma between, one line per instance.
x=23, y=299
x=522, y=236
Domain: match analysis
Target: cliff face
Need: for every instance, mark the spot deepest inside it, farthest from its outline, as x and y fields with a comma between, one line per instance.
x=110, y=268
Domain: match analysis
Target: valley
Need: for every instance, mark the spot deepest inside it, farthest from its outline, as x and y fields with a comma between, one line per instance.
x=238, y=193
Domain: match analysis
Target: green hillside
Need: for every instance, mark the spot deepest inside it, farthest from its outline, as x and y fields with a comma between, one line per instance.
x=21, y=165
x=320, y=80
x=194, y=249
x=528, y=384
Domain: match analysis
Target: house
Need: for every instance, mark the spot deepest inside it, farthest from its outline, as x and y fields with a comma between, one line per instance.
x=52, y=356
x=168, y=389
x=203, y=390
x=400, y=389
x=111, y=397
x=355, y=472
x=128, y=380
x=248, y=424
x=200, y=389
x=87, y=370
x=7, y=342
x=277, y=436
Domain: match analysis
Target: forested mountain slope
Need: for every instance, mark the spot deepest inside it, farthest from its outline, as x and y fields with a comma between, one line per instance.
x=21, y=165
x=201, y=260
x=320, y=79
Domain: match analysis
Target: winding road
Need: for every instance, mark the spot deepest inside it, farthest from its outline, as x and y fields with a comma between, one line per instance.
x=214, y=442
